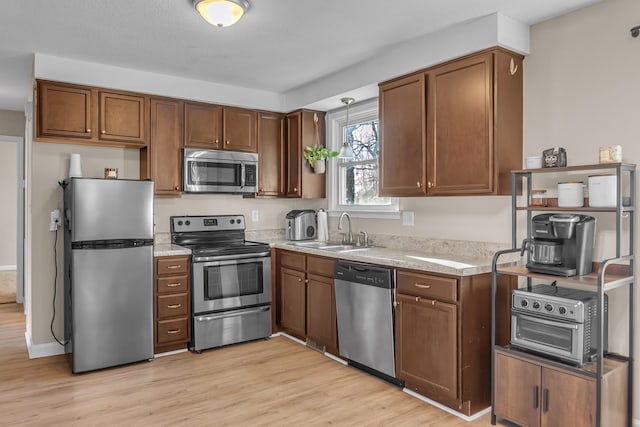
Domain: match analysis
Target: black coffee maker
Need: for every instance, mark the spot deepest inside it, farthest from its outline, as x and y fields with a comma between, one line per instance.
x=562, y=244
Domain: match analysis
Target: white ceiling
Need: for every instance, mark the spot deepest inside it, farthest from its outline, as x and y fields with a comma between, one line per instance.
x=279, y=45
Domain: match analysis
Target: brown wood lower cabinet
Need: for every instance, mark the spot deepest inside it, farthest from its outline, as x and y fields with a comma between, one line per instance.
x=305, y=296
x=534, y=394
x=443, y=337
x=172, y=303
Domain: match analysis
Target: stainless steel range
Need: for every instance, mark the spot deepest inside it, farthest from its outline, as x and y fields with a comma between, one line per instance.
x=230, y=280
x=557, y=322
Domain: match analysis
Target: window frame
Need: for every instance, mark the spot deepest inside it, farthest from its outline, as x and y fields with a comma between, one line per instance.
x=336, y=120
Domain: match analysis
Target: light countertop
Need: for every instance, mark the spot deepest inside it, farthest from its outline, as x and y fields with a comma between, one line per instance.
x=167, y=249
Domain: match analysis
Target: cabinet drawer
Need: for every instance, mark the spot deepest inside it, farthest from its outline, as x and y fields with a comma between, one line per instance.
x=172, y=284
x=173, y=305
x=428, y=286
x=173, y=330
x=293, y=260
x=172, y=265
x=321, y=266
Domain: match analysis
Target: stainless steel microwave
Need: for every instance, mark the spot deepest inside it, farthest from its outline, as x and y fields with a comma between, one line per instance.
x=217, y=171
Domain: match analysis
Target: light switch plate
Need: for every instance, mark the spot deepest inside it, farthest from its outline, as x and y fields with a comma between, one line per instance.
x=255, y=215
x=407, y=218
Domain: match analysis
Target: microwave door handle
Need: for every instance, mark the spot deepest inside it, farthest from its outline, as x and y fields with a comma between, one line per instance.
x=242, y=175
x=549, y=322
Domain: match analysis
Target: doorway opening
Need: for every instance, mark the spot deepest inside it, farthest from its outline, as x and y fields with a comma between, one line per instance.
x=11, y=220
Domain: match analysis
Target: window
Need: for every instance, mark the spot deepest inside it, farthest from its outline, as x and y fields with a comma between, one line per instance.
x=353, y=184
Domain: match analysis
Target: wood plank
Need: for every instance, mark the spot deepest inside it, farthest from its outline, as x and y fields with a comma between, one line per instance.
x=268, y=382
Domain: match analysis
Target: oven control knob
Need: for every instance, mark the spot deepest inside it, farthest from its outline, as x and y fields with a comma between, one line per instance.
x=187, y=222
x=232, y=221
x=536, y=305
x=238, y=220
x=548, y=307
x=179, y=222
x=562, y=310
x=524, y=303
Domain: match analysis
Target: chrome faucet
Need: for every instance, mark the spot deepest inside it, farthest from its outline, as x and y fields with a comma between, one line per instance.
x=348, y=238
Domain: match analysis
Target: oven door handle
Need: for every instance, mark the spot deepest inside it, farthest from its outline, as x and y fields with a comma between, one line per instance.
x=257, y=256
x=233, y=314
x=548, y=322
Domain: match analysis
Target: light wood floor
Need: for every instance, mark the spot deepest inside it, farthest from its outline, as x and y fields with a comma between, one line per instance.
x=272, y=382
x=7, y=286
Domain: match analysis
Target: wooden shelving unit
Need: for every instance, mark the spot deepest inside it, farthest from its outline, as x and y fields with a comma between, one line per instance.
x=609, y=372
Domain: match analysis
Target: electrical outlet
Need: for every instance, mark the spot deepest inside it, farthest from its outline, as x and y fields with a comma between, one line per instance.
x=255, y=215
x=54, y=220
x=407, y=218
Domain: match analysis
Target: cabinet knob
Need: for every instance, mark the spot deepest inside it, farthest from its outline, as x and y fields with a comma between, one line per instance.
x=103, y=131
x=228, y=143
x=177, y=188
x=419, y=184
x=433, y=302
x=299, y=279
x=429, y=184
x=306, y=281
x=217, y=142
x=88, y=130
x=417, y=299
x=295, y=189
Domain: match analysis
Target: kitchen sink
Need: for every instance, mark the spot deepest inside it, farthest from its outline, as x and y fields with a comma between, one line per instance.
x=330, y=246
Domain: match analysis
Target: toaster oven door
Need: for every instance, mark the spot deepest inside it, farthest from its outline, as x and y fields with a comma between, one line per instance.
x=564, y=340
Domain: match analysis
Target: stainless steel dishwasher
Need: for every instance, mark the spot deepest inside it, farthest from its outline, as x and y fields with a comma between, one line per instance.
x=364, y=305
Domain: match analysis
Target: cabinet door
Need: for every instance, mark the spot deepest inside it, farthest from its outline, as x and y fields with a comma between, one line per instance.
x=294, y=155
x=518, y=391
x=293, y=301
x=426, y=346
x=321, y=311
x=166, y=142
x=123, y=118
x=270, y=154
x=567, y=399
x=459, y=125
x=403, y=137
x=202, y=126
x=64, y=111
x=239, y=129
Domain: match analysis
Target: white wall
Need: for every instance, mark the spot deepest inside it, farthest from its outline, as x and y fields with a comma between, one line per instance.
x=582, y=91
x=8, y=196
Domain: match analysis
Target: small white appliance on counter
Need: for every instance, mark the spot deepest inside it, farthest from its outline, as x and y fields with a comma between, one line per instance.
x=301, y=225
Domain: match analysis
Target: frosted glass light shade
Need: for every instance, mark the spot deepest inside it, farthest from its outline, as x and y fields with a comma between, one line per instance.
x=221, y=13
x=346, y=152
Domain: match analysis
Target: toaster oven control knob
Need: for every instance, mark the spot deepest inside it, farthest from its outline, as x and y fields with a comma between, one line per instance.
x=536, y=305
x=524, y=303
x=548, y=307
x=562, y=310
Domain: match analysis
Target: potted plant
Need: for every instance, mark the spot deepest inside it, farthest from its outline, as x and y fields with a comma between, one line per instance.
x=316, y=155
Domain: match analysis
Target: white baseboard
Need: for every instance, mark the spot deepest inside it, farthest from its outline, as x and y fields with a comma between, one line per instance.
x=42, y=350
x=7, y=267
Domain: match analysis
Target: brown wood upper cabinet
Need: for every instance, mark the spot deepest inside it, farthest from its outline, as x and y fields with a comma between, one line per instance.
x=271, y=163
x=161, y=161
x=69, y=113
x=219, y=128
x=304, y=128
x=453, y=129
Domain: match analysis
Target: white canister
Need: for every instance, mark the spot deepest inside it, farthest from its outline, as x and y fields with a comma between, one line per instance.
x=570, y=194
x=533, y=162
x=75, y=169
x=602, y=191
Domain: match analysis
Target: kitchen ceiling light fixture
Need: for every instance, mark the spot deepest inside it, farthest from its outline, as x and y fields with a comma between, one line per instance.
x=221, y=13
x=346, y=152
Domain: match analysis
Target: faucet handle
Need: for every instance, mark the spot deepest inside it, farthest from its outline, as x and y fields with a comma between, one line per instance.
x=364, y=238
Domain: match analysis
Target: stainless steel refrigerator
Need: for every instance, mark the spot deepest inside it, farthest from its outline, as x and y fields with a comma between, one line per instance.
x=108, y=256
